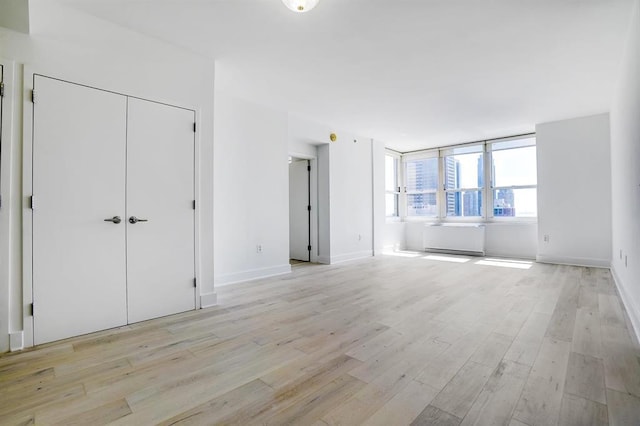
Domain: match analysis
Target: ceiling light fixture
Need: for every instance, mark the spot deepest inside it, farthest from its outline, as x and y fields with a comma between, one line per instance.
x=300, y=6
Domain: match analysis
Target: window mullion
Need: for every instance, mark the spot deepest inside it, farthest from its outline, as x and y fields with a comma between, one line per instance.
x=488, y=183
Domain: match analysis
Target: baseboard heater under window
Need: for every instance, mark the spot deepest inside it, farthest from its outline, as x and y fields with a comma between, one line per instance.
x=455, y=238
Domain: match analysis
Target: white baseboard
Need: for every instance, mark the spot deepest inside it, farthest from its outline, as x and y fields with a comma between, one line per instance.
x=325, y=260
x=208, y=300
x=351, y=256
x=575, y=261
x=16, y=341
x=252, y=274
x=511, y=255
x=630, y=305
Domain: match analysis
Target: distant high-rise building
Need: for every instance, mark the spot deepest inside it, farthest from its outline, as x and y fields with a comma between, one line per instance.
x=478, y=204
x=471, y=203
x=452, y=180
x=422, y=175
x=504, y=203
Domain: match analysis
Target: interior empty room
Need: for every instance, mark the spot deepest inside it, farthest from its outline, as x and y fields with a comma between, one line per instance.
x=320, y=212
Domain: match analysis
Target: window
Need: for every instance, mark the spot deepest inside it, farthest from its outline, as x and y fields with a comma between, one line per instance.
x=493, y=179
x=514, y=178
x=463, y=180
x=392, y=185
x=421, y=178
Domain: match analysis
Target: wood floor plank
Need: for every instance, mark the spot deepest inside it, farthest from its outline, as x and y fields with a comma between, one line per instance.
x=610, y=310
x=496, y=402
x=541, y=398
x=621, y=364
x=433, y=416
x=405, y=406
x=624, y=409
x=564, y=315
x=586, y=334
x=525, y=346
x=578, y=411
x=102, y=415
x=446, y=365
x=458, y=395
x=585, y=378
x=225, y=405
x=313, y=407
x=492, y=350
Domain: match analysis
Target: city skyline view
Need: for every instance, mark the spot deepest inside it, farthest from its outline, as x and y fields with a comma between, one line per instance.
x=513, y=177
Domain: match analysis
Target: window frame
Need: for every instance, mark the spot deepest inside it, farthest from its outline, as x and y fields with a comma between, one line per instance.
x=487, y=190
x=471, y=148
x=422, y=155
x=397, y=159
x=492, y=188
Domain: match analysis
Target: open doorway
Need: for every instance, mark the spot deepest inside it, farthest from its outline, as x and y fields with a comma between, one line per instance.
x=299, y=210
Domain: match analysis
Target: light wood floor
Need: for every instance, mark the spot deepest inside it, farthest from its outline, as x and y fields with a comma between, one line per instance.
x=383, y=341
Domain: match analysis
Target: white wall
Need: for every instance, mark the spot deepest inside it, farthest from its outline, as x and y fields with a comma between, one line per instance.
x=511, y=239
x=15, y=15
x=380, y=231
x=251, y=190
x=394, y=236
x=324, y=204
x=351, y=196
x=625, y=174
x=574, y=191
x=73, y=46
x=305, y=134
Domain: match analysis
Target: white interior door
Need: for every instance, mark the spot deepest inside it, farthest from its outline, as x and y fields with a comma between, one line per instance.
x=79, y=136
x=160, y=190
x=298, y=210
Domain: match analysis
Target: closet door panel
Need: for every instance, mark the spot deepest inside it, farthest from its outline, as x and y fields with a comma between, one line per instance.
x=79, y=154
x=160, y=194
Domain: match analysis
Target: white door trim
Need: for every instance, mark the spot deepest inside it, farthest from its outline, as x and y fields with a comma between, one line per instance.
x=314, y=201
x=27, y=217
x=7, y=211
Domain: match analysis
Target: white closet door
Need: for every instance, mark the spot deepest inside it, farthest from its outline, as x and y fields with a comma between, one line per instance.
x=160, y=190
x=79, y=154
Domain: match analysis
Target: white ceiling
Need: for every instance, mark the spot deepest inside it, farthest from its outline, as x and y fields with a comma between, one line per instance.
x=412, y=73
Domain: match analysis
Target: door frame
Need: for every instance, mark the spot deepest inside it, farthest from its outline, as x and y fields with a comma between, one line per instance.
x=29, y=75
x=7, y=211
x=313, y=198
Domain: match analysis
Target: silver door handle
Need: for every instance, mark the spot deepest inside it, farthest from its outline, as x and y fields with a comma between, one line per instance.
x=133, y=220
x=115, y=219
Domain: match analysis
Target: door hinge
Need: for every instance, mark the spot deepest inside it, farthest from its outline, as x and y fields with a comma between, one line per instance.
x=1, y=90
x=194, y=204
x=308, y=168
x=194, y=127
x=33, y=96
x=32, y=203
x=31, y=309
x=308, y=208
x=0, y=201
x=195, y=284
x=308, y=248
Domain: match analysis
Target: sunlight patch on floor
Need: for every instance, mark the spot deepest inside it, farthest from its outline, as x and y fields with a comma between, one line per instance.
x=506, y=263
x=402, y=253
x=441, y=258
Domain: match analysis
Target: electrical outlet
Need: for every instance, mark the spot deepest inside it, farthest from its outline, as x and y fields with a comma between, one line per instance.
x=259, y=248
x=620, y=254
x=625, y=260
x=546, y=238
